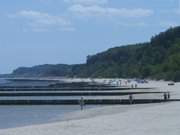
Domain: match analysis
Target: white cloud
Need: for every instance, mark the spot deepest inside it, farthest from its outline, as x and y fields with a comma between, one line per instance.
x=40, y=21
x=96, y=10
x=87, y=2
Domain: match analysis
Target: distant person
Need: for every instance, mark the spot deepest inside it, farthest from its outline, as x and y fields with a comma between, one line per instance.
x=81, y=102
x=165, y=96
x=168, y=95
x=120, y=83
x=126, y=83
x=130, y=98
x=136, y=85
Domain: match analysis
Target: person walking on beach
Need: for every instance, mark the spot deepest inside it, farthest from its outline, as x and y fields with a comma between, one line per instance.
x=165, y=96
x=130, y=98
x=168, y=95
x=81, y=102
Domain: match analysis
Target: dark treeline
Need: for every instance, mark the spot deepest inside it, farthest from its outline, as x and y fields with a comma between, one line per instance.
x=157, y=59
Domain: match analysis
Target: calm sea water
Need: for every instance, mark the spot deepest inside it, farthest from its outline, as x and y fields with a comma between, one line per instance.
x=17, y=116
x=4, y=82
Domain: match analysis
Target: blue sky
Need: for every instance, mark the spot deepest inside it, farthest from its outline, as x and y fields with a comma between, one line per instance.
x=36, y=32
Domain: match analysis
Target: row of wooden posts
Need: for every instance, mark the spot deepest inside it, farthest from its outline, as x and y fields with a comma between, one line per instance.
x=166, y=97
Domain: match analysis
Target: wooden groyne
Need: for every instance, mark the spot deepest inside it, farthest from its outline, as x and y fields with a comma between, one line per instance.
x=39, y=94
x=87, y=102
x=71, y=93
x=69, y=89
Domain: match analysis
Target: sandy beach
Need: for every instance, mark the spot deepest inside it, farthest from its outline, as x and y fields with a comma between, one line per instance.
x=149, y=119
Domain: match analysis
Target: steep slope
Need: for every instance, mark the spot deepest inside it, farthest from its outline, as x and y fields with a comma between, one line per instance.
x=158, y=59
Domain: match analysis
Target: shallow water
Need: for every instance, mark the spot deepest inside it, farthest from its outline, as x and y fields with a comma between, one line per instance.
x=4, y=82
x=17, y=116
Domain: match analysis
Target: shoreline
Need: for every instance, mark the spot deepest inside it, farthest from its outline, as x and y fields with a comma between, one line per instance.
x=160, y=118
x=118, y=122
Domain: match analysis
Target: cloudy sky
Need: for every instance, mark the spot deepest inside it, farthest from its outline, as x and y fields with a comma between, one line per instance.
x=65, y=31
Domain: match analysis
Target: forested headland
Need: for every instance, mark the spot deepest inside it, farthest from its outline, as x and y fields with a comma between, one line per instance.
x=157, y=59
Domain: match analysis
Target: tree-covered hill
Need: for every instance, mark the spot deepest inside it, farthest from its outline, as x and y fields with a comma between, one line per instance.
x=43, y=70
x=157, y=59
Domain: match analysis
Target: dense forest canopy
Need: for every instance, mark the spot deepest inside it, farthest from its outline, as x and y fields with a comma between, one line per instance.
x=157, y=59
